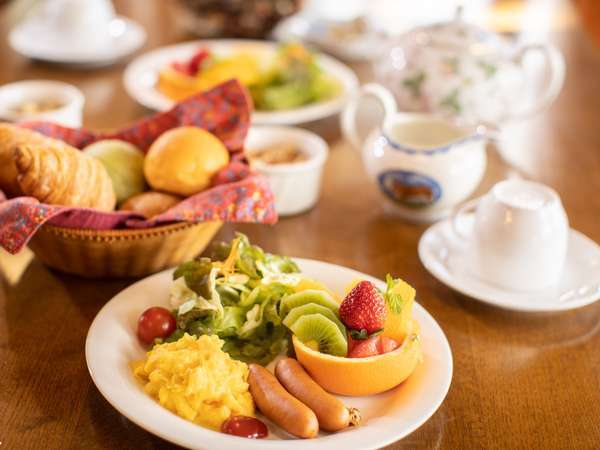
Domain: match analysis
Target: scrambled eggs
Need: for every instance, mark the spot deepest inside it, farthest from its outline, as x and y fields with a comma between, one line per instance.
x=197, y=380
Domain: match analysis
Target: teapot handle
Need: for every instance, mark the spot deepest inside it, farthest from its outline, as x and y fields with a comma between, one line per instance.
x=348, y=117
x=554, y=66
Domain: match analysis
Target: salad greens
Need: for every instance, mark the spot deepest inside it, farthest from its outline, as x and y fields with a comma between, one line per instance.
x=294, y=79
x=235, y=294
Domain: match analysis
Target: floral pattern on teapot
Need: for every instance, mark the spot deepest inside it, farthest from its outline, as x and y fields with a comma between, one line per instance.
x=458, y=70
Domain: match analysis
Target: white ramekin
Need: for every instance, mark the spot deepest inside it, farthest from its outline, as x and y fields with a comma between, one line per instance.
x=296, y=185
x=69, y=114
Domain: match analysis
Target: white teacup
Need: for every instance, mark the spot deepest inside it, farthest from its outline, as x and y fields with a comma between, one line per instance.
x=86, y=22
x=519, y=237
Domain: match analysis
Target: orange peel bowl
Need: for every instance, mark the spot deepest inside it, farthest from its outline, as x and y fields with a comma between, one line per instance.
x=362, y=376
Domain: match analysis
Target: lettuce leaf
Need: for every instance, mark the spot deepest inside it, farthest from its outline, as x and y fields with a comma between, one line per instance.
x=280, y=264
x=181, y=293
x=231, y=322
x=236, y=297
x=196, y=274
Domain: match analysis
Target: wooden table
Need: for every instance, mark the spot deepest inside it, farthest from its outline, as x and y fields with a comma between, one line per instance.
x=520, y=380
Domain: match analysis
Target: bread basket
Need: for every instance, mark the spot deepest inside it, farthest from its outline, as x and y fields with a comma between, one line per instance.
x=96, y=244
x=120, y=253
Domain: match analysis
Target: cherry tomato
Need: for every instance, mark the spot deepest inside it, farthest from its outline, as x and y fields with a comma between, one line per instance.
x=245, y=426
x=155, y=322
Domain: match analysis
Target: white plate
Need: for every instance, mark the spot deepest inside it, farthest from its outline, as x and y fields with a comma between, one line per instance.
x=302, y=27
x=112, y=344
x=35, y=41
x=141, y=76
x=443, y=255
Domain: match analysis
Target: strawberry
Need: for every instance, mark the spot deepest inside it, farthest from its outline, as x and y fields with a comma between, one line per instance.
x=352, y=342
x=363, y=309
x=196, y=60
x=387, y=344
x=192, y=65
x=372, y=346
x=362, y=348
x=181, y=67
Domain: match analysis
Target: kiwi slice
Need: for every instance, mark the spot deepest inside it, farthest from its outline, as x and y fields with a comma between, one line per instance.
x=318, y=328
x=307, y=296
x=312, y=308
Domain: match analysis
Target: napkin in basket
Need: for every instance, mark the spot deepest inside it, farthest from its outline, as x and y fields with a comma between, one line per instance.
x=237, y=194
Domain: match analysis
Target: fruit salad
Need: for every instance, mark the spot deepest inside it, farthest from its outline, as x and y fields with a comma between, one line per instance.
x=289, y=78
x=366, y=345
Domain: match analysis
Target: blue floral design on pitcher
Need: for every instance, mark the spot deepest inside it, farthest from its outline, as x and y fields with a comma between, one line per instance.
x=409, y=189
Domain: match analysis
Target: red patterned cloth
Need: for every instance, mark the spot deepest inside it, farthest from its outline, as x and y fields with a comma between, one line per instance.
x=237, y=194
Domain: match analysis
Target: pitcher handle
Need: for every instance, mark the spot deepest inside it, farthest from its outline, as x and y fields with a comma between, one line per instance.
x=554, y=66
x=348, y=117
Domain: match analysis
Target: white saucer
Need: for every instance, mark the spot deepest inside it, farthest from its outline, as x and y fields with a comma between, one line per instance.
x=443, y=255
x=363, y=47
x=34, y=40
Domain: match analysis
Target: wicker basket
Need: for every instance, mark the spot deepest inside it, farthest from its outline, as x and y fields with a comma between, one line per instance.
x=120, y=253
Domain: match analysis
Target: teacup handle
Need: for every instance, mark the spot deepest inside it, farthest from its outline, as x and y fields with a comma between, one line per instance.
x=555, y=67
x=465, y=208
x=348, y=117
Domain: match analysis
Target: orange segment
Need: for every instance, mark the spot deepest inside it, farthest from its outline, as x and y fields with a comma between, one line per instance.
x=242, y=66
x=176, y=85
x=397, y=325
x=362, y=376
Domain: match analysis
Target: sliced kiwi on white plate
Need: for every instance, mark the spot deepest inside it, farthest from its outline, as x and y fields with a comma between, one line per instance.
x=312, y=308
x=323, y=331
x=308, y=296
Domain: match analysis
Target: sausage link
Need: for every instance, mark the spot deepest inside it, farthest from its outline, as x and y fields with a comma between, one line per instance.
x=331, y=413
x=279, y=406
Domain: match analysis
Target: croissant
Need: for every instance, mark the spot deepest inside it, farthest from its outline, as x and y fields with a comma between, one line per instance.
x=61, y=175
x=10, y=137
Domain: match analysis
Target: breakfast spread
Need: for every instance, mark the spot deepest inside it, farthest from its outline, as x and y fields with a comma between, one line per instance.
x=285, y=79
x=232, y=342
x=249, y=304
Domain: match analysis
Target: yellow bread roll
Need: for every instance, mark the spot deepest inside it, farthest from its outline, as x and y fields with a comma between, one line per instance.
x=183, y=160
x=150, y=203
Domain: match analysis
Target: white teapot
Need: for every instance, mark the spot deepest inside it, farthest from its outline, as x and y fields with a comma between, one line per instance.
x=460, y=70
x=424, y=165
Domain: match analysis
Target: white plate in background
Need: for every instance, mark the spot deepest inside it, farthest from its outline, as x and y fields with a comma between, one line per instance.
x=141, y=76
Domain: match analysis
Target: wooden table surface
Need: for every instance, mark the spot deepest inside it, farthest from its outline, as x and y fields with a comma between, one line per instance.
x=521, y=381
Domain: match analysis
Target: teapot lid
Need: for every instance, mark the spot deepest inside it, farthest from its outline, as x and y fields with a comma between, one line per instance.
x=456, y=34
